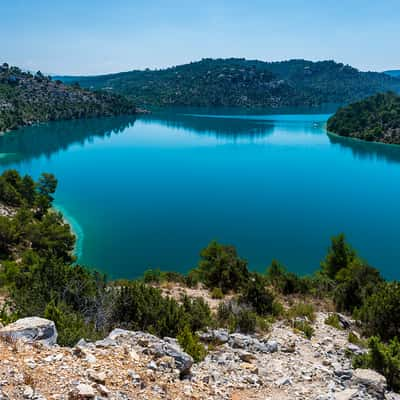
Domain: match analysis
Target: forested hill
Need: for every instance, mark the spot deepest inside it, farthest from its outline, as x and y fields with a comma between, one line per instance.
x=244, y=83
x=26, y=99
x=376, y=118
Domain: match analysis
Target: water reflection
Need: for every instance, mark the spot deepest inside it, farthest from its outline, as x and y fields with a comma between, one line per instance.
x=47, y=139
x=367, y=150
x=226, y=128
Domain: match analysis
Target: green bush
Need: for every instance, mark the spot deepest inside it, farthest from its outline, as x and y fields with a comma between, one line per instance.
x=380, y=313
x=353, y=338
x=304, y=327
x=191, y=344
x=354, y=284
x=333, y=320
x=197, y=313
x=339, y=256
x=217, y=293
x=140, y=307
x=71, y=326
x=220, y=266
x=246, y=321
x=152, y=276
x=286, y=282
x=257, y=296
x=301, y=310
x=384, y=358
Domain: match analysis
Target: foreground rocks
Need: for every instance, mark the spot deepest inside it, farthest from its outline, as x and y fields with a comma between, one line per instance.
x=282, y=365
x=32, y=329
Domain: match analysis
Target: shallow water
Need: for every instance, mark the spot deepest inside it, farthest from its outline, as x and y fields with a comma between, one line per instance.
x=152, y=192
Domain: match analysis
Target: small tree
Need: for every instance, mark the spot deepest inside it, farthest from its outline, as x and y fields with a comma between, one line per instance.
x=380, y=312
x=220, y=266
x=191, y=344
x=257, y=296
x=355, y=283
x=339, y=256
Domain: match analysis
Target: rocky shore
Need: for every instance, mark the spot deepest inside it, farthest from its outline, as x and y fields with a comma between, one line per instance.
x=281, y=365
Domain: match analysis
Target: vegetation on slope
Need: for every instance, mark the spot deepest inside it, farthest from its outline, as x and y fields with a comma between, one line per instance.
x=238, y=82
x=26, y=99
x=376, y=118
x=38, y=274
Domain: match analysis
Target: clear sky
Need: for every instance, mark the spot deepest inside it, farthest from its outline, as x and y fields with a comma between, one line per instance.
x=98, y=36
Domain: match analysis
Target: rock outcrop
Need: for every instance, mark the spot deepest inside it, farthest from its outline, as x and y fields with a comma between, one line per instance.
x=32, y=329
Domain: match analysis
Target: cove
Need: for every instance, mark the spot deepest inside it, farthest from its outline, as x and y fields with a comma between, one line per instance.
x=152, y=192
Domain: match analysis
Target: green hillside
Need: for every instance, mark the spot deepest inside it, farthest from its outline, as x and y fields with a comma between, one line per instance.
x=26, y=99
x=243, y=83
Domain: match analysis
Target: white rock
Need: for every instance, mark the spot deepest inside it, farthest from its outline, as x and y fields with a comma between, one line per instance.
x=347, y=394
x=33, y=329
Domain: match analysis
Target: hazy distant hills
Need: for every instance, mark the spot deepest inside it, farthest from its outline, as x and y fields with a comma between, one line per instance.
x=243, y=83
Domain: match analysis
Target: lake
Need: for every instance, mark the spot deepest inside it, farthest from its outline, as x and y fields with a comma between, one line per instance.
x=152, y=192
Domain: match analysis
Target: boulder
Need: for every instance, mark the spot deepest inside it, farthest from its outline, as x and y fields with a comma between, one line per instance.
x=374, y=383
x=31, y=329
x=344, y=321
x=82, y=392
x=347, y=394
x=155, y=346
x=219, y=336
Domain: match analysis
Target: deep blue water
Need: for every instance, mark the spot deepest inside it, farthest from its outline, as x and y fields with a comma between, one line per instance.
x=152, y=192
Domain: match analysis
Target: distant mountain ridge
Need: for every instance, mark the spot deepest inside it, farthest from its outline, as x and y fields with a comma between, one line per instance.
x=27, y=98
x=237, y=82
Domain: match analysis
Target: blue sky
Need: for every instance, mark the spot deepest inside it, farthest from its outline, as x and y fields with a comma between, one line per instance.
x=98, y=36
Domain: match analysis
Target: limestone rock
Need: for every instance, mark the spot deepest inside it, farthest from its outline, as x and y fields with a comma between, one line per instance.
x=375, y=383
x=347, y=394
x=32, y=329
x=155, y=346
x=82, y=392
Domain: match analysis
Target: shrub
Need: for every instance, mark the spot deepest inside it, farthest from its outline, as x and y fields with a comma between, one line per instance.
x=191, y=344
x=236, y=318
x=257, y=296
x=246, y=321
x=355, y=284
x=286, y=282
x=152, y=276
x=339, y=256
x=220, y=266
x=304, y=327
x=71, y=327
x=198, y=313
x=302, y=310
x=333, y=320
x=140, y=307
x=224, y=313
x=384, y=358
x=380, y=312
x=216, y=293
x=355, y=339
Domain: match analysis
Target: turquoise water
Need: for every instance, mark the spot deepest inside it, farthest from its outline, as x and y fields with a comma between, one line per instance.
x=152, y=192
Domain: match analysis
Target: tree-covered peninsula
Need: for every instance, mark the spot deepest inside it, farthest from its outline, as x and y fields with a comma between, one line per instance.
x=376, y=119
x=237, y=82
x=26, y=99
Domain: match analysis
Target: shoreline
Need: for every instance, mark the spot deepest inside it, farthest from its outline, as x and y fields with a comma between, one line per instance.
x=329, y=133
x=76, y=230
